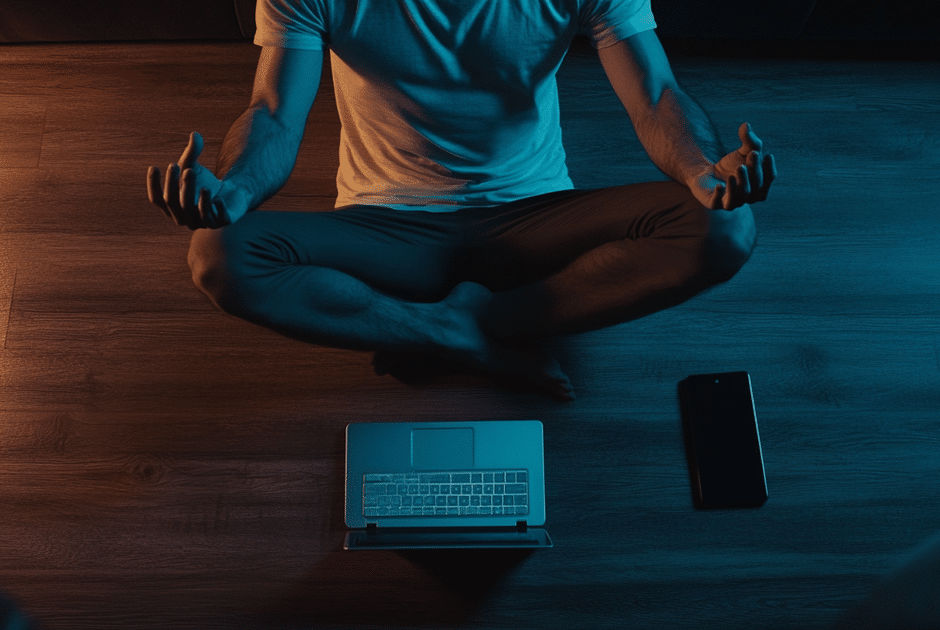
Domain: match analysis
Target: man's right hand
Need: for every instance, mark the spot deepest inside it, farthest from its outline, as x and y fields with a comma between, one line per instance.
x=191, y=195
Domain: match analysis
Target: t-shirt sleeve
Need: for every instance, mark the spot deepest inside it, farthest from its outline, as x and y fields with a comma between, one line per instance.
x=292, y=24
x=606, y=22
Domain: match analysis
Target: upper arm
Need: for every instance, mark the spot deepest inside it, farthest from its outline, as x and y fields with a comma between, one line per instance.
x=639, y=71
x=286, y=83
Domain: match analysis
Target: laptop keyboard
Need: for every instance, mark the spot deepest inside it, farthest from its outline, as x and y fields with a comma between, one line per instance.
x=446, y=493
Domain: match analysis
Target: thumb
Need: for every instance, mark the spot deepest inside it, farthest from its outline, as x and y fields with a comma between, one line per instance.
x=192, y=151
x=749, y=140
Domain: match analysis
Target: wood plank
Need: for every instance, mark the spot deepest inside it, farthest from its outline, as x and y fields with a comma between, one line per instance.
x=22, y=120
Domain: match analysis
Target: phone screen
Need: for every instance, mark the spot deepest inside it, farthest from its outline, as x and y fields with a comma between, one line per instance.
x=726, y=465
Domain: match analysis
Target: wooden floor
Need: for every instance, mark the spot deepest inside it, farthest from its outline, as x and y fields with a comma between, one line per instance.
x=166, y=466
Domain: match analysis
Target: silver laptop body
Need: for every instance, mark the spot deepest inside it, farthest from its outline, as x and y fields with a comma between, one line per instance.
x=430, y=485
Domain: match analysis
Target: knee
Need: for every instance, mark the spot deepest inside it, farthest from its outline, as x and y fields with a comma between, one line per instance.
x=212, y=263
x=731, y=238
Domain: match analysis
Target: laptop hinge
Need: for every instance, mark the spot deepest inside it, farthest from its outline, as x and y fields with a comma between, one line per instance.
x=522, y=526
x=372, y=528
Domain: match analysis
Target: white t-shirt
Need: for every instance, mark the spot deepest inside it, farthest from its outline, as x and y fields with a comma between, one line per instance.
x=447, y=103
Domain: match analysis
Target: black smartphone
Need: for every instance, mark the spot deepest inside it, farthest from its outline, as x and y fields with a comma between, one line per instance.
x=723, y=444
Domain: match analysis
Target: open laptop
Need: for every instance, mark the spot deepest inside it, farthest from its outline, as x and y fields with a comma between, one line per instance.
x=440, y=485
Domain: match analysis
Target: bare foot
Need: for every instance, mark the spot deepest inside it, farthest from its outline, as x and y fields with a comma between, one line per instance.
x=466, y=343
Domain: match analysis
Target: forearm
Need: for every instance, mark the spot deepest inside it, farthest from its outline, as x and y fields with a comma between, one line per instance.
x=257, y=157
x=679, y=136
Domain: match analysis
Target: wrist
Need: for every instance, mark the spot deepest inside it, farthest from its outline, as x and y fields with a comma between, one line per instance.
x=236, y=198
x=702, y=177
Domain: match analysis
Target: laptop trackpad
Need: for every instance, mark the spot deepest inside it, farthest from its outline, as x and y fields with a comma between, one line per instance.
x=442, y=449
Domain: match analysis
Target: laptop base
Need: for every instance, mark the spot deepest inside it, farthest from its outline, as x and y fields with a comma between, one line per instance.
x=448, y=538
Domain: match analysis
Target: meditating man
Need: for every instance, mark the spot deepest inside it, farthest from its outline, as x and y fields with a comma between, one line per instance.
x=457, y=233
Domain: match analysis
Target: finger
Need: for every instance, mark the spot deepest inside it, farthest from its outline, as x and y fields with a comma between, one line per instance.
x=727, y=201
x=716, y=202
x=171, y=195
x=192, y=151
x=770, y=170
x=205, y=209
x=154, y=192
x=732, y=198
x=769, y=174
x=756, y=172
x=188, y=190
x=749, y=140
x=171, y=190
x=745, y=178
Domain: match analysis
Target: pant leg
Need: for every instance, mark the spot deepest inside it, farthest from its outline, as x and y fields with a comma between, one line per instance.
x=405, y=254
x=582, y=260
x=527, y=240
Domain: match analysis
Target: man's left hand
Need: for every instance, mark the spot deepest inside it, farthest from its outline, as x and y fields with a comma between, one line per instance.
x=741, y=177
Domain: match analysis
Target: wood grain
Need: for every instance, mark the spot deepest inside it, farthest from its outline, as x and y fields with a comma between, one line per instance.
x=163, y=465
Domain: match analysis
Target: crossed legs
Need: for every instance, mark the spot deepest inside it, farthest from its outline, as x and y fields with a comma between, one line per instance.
x=476, y=286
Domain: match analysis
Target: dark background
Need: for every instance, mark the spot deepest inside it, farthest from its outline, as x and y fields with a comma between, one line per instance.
x=792, y=21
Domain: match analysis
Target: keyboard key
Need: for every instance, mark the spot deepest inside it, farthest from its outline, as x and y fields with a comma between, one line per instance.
x=510, y=477
x=515, y=488
x=476, y=478
x=522, y=477
x=460, y=478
